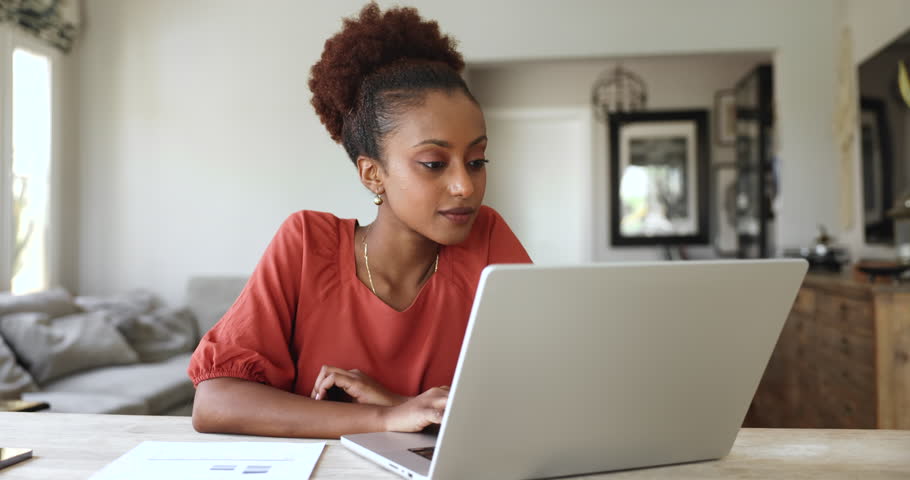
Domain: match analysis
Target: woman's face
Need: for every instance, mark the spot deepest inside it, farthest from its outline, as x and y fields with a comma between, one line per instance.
x=434, y=174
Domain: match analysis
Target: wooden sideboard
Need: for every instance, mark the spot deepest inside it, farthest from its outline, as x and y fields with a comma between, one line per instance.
x=842, y=360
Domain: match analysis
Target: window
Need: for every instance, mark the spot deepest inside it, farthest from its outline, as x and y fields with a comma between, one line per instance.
x=28, y=137
x=31, y=161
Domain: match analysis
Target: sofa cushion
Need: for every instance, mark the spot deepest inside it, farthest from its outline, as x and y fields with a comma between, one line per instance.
x=54, y=302
x=185, y=410
x=156, y=333
x=70, y=402
x=209, y=298
x=54, y=347
x=132, y=302
x=13, y=378
x=160, y=334
x=161, y=386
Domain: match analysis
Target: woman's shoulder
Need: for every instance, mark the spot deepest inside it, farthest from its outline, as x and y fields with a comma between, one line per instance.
x=488, y=219
x=316, y=240
x=477, y=241
x=492, y=241
x=314, y=226
x=313, y=217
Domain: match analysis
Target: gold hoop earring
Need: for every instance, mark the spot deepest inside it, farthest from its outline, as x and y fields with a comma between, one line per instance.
x=377, y=200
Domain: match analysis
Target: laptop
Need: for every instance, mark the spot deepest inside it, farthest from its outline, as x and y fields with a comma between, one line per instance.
x=567, y=370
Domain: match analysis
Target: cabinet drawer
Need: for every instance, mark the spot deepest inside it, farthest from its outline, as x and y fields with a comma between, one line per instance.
x=766, y=410
x=846, y=379
x=842, y=347
x=846, y=413
x=847, y=314
x=847, y=400
x=805, y=301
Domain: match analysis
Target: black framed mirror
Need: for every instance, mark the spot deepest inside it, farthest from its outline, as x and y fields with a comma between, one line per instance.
x=884, y=146
x=877, y=166
x=659, y=179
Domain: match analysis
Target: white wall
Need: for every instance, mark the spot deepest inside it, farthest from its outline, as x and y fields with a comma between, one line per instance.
x=674, y=83
x=539, y=179
x=195, y=135
x=875, y=24
x=198, y=139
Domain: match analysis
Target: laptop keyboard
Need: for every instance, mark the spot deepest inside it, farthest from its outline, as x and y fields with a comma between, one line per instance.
x=425, y=452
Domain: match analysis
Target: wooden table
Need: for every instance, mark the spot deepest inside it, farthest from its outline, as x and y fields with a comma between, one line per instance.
x=73, y=446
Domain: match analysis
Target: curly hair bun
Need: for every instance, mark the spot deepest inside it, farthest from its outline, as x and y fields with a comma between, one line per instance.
x=365, y=45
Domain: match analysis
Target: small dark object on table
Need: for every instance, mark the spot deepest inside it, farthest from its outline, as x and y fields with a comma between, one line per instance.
x=820, y=259
x=883, y=268
x=22, y=406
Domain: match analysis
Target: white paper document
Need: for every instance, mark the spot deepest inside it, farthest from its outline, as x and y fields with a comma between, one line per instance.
x=214, y=461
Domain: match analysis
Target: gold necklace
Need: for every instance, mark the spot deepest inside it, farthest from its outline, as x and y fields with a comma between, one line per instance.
x=366, y=260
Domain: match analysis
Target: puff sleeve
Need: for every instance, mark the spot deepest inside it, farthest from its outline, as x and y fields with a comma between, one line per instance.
x=252, y=340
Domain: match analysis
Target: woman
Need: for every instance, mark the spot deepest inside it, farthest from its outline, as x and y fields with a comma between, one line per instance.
x=372, y=315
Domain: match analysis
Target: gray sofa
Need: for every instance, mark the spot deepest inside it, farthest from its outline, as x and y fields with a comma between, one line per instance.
x=136, y=357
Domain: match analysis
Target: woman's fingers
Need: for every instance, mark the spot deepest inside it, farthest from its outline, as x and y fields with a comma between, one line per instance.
x=440, y=402
x=324, y=372
x=419, y=412
x=362, y=389
x=330, y=379
x=437, y=401
x=318, y=382
x=327, y=383
x=438, y=406
x=434, y=415
x=356, y=384
x=342, y=381
x=438, y=392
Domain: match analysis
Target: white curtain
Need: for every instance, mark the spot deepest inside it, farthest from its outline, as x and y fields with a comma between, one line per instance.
x=845, y=125
x=54, y=21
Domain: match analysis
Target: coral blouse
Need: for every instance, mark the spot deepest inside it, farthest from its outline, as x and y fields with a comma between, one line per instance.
x=304, y=307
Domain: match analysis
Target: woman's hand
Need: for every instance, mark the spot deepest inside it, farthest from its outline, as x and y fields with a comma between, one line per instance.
x=418, y=412
x=360, y=387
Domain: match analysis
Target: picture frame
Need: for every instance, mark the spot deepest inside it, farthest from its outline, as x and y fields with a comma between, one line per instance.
x=724, y=215
x=725, y=118
x=659, y=178
x=876, y=164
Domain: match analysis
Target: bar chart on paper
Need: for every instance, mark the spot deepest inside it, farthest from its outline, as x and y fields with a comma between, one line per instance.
x=215, y=461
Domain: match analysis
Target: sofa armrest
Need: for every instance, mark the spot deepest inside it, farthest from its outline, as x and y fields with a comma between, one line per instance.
x=210, y=297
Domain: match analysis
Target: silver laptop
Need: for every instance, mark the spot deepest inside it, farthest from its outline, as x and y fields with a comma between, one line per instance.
x=593, y=368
